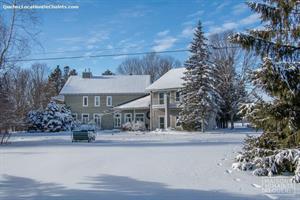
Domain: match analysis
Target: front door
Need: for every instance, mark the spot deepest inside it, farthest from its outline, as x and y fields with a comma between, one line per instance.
x=161, y=122
x=117, y=120
x=97, y=119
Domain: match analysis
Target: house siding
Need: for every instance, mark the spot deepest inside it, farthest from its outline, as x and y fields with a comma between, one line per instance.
x=107, y=122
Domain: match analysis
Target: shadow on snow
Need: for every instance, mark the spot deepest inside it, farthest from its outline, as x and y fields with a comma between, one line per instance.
x=105, y=187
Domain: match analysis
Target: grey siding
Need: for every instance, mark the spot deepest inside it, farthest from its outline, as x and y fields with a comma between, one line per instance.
x=75, y=102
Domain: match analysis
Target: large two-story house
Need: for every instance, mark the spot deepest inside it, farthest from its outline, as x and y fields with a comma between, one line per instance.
x=111, y=101
x=92, y=98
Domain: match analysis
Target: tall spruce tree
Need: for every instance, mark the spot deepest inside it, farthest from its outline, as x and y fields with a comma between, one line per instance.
x=55, y=82
x=198, y=93
x=279, y=74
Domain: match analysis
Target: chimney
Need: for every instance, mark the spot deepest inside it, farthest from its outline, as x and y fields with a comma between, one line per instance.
x=87, y=74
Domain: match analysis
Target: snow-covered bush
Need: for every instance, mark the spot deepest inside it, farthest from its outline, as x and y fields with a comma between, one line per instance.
x=138, y=126
x=134, y=126
x=54, y=118
x=127, y=126
x=267, y=162
x=35, y=119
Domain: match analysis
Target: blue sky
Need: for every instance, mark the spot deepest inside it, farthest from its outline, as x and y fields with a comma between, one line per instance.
x=127, y=26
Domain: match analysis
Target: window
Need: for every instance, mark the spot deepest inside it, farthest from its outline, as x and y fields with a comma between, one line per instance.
x=85, y=101
x=161, y=124
x=97, y=120
x=109, y=101
x=161, y=98
x=74, y=115
x=177, y=123
x=128, y=117
x=97, y=101
x=117, y=120
x=177, y=96
x=85, y=118
x=139, y=117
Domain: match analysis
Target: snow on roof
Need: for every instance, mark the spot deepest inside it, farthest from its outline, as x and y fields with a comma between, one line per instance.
x=170, y=80
x=141, y=103
x=113, y=84
x=60, y=98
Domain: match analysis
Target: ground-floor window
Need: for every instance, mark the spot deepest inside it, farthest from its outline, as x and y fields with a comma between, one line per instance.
x=97, y=120
x=161, y=121
x=117, y=120
x=74, y=115
x=177, y=122
x=85, y=118
x=139, y=117
x=128, y=117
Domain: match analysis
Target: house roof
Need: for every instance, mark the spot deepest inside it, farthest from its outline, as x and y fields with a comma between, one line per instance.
x=170, y=80
x=141, y=103
x=113, y=84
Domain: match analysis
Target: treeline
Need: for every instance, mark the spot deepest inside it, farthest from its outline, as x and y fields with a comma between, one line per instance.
x=26, y=89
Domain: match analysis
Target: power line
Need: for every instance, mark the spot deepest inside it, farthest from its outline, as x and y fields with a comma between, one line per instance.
x=110, y=55
x=97, y=56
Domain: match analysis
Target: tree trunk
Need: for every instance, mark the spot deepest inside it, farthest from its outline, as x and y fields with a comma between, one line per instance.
x=202, y=125
x=231, y=121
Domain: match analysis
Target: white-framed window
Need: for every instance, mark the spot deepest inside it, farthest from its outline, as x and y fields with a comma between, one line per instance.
x=85, y=118
x=128, y=117
x=85, y=101
x=97, y=119
x=109, y=101
x=161, y=98
x=177, y=122
x=139, y=117
x=117, y=120
x=97, y=101
x=177, y=96
x=161, y=122
x=74, y=115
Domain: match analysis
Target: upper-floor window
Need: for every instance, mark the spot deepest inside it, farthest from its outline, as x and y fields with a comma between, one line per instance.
x=177, y=96
x=97, y=101
x=109, y=101
x=161, y=98
x=85, y=101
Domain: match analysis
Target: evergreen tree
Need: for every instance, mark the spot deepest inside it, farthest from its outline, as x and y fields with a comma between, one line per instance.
x=279, y=74
x=67, y=73
x=73, y=72
x=108, y=72
x=199, y=94
x=55, y=82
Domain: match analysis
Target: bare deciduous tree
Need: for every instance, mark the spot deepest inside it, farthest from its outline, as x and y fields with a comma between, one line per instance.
x=39, y=96
x=231, y=68
x=150, y=64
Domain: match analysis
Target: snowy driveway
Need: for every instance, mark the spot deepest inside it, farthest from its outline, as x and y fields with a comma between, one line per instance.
x=126, y=166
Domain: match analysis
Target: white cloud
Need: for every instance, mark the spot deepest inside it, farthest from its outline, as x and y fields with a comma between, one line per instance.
x=89, y=41
x=239, y=8
x=230, y=25
x=163, y=33
x=70, y=39
x=196, y=14
x=222, y=5
x=164, y=43
x=250, y=19
x=188, y=31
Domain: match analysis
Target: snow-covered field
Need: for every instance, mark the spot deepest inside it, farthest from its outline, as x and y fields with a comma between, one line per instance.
x=152, y=166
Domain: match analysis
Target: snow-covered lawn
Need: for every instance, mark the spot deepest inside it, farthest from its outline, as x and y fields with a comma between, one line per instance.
x=152, y=166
